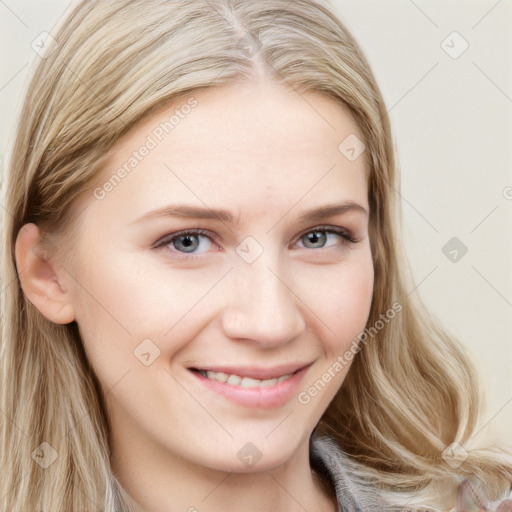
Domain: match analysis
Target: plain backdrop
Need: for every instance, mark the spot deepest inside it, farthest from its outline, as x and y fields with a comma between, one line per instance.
x=444, y=68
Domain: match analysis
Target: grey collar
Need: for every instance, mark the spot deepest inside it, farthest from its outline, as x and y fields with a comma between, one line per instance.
x=352, y=495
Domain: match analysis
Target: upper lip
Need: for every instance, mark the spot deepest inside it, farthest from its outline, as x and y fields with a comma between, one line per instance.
x=255, y=372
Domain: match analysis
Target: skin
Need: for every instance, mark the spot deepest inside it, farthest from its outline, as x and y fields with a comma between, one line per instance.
x=267, y=155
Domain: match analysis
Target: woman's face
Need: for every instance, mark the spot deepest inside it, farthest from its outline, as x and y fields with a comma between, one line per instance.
x=275, y=286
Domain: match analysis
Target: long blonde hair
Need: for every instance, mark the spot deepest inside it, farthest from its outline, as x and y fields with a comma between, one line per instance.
x=115, y=62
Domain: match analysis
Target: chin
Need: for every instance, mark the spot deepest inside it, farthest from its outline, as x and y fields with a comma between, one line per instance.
x=265, y=452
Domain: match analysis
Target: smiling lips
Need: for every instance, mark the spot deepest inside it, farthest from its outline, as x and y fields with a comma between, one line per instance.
x=253, y=387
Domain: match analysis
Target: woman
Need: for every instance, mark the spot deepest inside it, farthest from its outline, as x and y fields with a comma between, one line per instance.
x=206, y=297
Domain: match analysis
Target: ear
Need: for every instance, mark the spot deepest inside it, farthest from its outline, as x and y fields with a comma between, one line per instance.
x=39, y=279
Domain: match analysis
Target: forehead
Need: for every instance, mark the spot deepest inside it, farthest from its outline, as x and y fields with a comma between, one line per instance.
x=251, y=143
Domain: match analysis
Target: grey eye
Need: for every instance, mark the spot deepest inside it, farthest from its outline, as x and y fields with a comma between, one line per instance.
x=315, y=238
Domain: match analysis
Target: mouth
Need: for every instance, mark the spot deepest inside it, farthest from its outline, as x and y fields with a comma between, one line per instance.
x=232, y=379
x=263, y=388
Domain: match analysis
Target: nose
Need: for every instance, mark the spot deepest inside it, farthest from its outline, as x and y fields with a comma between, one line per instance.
x=262, y=307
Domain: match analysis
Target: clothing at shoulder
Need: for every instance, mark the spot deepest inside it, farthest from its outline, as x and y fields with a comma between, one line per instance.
x=352, y=495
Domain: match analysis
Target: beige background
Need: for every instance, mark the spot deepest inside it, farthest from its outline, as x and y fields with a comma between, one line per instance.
x=452, y=120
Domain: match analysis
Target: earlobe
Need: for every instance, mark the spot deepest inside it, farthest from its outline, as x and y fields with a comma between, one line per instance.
x=39, y=279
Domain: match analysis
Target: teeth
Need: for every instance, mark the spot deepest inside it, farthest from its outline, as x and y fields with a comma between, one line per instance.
x=221, y=377
x=234, y=380
x=245, y=382
x=268, y=383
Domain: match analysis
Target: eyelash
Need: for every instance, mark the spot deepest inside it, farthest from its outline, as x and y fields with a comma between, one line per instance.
x=347, y=238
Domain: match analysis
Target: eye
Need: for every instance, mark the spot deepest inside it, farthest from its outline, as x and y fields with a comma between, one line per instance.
x=318, y=237
x=187, y=242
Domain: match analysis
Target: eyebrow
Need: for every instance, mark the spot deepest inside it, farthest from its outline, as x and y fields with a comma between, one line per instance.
x=198, y=212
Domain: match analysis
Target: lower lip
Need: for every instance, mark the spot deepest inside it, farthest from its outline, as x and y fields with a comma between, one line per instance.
x=263, y=398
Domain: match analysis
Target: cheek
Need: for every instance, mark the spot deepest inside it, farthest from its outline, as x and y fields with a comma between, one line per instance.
x=120, y=303
x=129, y=295
x=343, y=308
x=355, y=298
x=342, y=301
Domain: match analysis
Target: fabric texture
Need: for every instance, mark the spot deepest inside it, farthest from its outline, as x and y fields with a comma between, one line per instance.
x=352, y=495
